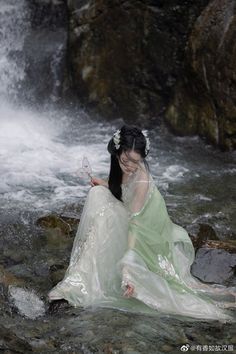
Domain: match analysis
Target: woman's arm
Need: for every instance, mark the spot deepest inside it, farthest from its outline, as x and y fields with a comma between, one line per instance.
x=140, y=192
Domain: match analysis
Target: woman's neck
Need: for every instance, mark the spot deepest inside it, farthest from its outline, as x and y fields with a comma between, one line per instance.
x=125, y=177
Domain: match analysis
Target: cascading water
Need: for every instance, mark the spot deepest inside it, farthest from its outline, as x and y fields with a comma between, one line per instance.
x=13, y=27
x=39, y=152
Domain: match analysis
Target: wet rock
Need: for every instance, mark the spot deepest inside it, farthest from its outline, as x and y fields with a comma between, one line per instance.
x=215, y=266
x=22, y=270
x=65, y=223
x=11, y=343
x=125, y=56
x=57, y=275
x=4, y=304
x=206, y=232
x=204, y=101
x=167, y=348
x=45, y=49
x=57, y=305
x=229, y=245
x=206, y=237
x=202, y=232
x=8, y=278
x=58, y=230
x=71, y=219
x=9, y=259
x=215, y=260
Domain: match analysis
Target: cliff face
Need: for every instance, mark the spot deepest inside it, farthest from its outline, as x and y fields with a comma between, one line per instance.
x=205, y=99
x=127, y=55
x=141, y=60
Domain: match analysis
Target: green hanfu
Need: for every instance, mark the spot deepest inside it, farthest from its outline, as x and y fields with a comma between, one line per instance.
x=135, y=242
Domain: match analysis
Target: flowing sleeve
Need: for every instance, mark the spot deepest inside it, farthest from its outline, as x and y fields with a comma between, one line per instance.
x=139, y=192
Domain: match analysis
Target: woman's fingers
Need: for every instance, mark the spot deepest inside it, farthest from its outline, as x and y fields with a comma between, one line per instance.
x=129, y=291
x=96, y=181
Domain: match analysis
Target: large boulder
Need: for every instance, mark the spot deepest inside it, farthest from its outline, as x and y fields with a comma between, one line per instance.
x=125, y=56
x=215, y=266
x=204, y=101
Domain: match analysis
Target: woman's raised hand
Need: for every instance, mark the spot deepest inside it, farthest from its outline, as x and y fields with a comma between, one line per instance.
x=95, y=181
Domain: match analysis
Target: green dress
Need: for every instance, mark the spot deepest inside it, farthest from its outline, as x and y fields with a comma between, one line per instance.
x=135, y=242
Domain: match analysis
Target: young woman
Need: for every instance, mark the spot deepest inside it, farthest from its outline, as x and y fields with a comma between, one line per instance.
x=127, y=252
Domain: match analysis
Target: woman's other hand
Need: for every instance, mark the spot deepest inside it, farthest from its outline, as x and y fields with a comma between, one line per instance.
x=95, y=181
x=129, y=290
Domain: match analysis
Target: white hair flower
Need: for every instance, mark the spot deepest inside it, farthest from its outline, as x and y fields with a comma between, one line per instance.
x=116, y=139
x=147, y=147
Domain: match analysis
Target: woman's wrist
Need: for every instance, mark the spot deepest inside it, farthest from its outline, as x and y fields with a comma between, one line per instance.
x=104, y=183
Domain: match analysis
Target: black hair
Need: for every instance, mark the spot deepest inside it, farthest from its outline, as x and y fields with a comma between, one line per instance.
x=131, y=138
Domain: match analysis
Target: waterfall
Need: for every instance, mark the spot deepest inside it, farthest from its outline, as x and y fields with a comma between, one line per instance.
x=14, y=25
x=40, y=152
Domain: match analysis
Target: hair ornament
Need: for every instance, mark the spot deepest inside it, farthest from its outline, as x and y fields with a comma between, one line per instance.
x=147, y=147
x=116, y=139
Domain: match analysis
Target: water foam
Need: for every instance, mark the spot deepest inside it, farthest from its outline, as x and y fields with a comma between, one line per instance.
x=27, y=302
x=39, y=163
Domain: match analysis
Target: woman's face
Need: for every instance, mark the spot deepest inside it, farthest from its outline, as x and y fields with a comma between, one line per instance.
x=129, y=161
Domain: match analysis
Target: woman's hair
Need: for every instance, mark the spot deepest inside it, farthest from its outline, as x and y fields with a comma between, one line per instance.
x=131, y=138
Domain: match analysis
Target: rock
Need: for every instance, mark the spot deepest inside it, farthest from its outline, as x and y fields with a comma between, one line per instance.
x=137, y=60
x=11, y=343
x=215, y=260
x=228, y=245
x=125, y=56
x=207, y=232
x=57, y=305
x=45, y=51
x=7, y=278
x=57, y=272
x=204, y=100
x=215, y=266
x=63, y=223
x=57, y=276
x=204, y=232
x=71, y=219
x=59, y=230
x=206, y=238
x=166, y=348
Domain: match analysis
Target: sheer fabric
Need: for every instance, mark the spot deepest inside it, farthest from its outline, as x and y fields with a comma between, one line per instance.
x=135, y=242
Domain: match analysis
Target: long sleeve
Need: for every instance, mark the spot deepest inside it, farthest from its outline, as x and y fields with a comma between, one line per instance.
x=139, y=190
x=139, y=193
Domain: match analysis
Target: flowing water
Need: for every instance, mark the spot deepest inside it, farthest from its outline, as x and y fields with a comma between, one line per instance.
x=40, y=155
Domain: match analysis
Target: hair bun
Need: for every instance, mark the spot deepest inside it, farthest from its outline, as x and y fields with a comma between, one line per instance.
x=129, y=137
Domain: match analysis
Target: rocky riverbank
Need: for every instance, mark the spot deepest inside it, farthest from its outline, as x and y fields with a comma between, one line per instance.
x=27, y=275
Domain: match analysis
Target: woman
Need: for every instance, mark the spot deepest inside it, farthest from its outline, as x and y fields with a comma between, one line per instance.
x=127, y=253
